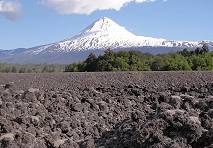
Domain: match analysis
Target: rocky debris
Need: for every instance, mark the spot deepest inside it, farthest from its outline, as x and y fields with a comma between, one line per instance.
x=132, y=110
x=35, y=120
x=78, y=107
x=8, y=136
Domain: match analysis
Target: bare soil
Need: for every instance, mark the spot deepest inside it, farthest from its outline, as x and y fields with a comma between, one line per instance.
x=107, y=110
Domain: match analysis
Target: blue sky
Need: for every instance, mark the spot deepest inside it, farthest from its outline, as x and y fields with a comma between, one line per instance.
x=28, y=23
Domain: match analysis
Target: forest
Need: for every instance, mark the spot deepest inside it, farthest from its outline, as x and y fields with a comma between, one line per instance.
x=30, y=68
x=199, y=59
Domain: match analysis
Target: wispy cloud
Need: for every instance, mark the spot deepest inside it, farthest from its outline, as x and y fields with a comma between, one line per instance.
x=87, y=6
x=11, y=9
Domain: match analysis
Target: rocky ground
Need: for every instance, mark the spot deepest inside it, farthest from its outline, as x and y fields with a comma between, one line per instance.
x=107, y=110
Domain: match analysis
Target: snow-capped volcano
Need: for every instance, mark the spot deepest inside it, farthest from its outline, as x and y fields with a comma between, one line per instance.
x=106, y=34
x=102, y=27
x=101, y=35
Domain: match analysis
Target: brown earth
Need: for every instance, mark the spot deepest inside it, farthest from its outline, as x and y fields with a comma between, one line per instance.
x=112, y=110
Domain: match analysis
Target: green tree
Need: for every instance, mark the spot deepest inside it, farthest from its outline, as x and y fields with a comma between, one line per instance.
x=90, y=63
x=7, y=69
x=137, y=63
x=198, y=59
x=120, y=64
x=44, y=69
x=202, y=62
x=158, y=64
x=205, y=48
x=75, y=67
x=197, y=50
x=185, y=52
x=22, y=70
x=105, y=62
x=14, y=69
x=176, y=62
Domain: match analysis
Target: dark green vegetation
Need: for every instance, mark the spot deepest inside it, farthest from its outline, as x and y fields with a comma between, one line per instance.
x=30, y=68
x=198, y=59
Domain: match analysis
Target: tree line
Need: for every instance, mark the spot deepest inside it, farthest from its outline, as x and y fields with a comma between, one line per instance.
x=186, y=60
x=30, y=68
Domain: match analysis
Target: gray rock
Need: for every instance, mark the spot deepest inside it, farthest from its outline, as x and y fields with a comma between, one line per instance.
x=78, y=107
x=175, y=101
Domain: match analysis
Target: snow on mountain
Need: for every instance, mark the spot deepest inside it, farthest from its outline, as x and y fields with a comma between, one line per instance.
x=101, y=35
x=105, y=33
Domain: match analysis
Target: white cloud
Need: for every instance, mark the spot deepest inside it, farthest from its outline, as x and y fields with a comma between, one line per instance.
x=11, y=9
x=87, y=6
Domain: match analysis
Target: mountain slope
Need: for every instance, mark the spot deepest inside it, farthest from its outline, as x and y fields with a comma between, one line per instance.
x=97, y=37
x=105, y=33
